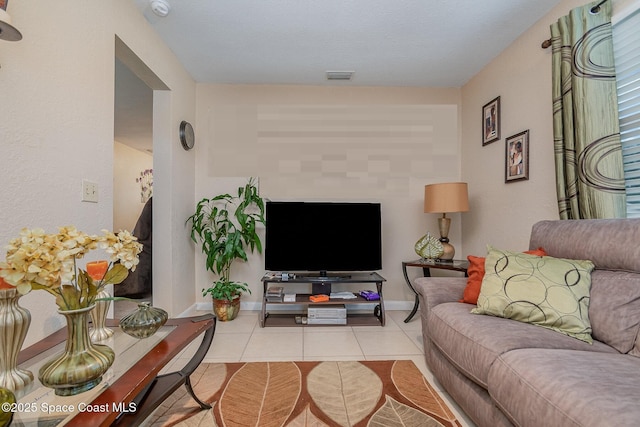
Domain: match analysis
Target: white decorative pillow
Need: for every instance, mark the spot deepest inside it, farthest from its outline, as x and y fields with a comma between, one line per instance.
x=545, y=291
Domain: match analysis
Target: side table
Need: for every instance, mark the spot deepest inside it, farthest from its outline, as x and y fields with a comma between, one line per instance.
x=427, y=265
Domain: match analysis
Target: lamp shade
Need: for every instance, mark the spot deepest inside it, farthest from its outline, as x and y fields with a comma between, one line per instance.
x=7, y=31
x=446, y=197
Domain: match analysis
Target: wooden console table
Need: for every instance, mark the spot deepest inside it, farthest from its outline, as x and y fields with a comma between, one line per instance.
x=130, y=390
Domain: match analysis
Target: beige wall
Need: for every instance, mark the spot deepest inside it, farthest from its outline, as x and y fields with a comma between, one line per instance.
x=294, y=139
x=127, y=165
x=502, y=214
x=57, y=87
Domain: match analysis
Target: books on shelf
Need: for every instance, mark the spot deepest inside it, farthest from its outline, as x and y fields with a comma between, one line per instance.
x=274, y=294
x=342, y=295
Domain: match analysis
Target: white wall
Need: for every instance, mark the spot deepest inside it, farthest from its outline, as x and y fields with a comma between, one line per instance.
x=127, y=165
x=273, y=132
x=57, y=106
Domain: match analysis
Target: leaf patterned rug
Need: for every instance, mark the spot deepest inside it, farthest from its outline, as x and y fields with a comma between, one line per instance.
x=295, y=394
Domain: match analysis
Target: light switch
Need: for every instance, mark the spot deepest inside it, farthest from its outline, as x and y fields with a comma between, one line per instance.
x=89, y=191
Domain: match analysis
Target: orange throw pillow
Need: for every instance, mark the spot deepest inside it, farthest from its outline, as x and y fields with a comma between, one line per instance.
x=476, y=274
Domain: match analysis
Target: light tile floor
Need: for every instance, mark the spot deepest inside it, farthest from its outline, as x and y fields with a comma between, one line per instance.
x=243, y=340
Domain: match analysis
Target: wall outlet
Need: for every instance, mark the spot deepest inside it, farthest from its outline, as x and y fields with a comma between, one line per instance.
x=89, y=191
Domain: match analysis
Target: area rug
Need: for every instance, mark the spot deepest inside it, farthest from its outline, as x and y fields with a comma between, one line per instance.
x=370, y=393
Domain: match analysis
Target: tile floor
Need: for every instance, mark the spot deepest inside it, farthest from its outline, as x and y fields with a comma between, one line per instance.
x=243, y=340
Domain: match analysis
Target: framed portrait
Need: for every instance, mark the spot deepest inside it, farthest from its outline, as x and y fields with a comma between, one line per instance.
x=517, y=157
x=491, y=122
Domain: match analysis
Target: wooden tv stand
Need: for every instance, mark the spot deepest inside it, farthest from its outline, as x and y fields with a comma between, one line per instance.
x=286, y=318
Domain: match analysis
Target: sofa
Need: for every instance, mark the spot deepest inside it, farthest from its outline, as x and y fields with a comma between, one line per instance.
x=505, y=372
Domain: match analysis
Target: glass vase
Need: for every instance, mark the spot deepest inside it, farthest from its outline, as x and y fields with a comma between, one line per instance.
x=144, y=322
x=99, y=331
x=14, y=324
x=81, y=366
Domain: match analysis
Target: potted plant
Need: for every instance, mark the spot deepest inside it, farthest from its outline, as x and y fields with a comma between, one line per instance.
x=225, y=226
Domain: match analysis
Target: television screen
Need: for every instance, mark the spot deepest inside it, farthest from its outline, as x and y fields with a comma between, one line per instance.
x=323, y=237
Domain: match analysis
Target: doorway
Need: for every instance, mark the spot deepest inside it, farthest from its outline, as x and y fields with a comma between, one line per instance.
x=134, y=87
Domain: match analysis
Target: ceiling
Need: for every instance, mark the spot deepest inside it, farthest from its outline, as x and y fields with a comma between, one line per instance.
x=428, y=43
x=440, y=43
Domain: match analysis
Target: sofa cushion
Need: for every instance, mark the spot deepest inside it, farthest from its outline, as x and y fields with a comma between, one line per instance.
x=542, y=387
x=475, y=271
x=609, y=243
x=614, y=309
x=472, y=343
x=545, y=291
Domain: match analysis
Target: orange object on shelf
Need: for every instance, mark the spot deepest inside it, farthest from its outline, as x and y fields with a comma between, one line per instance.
x=319, y=298
x=97, y=269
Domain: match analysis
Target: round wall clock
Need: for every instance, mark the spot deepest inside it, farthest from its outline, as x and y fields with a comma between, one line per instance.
x=187, y=136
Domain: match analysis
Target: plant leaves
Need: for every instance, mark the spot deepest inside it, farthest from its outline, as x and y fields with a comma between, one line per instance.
x=223, y=235
x=88, y=289
x=394, y=413
x=346, y=392
x=68, y=298
x=272, y=403
x=116, y=274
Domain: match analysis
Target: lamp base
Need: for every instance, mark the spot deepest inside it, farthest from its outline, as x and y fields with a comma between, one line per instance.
x=449, y=250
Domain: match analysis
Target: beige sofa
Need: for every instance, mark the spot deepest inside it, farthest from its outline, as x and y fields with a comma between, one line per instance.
x=504, y=372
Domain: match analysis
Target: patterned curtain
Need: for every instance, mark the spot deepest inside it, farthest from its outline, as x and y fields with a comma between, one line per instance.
x=586, y=133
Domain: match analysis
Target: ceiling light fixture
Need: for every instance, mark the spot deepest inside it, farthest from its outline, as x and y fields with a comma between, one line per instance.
x=160, y=7
x=340, y=75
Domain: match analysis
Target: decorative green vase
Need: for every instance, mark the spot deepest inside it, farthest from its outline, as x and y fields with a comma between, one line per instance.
x=7, y=399
x=100, y=332
x=144, y=322
x=14, y=324
x=81, y=366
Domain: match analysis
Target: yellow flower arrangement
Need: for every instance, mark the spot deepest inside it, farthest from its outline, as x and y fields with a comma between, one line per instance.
x=37, y=260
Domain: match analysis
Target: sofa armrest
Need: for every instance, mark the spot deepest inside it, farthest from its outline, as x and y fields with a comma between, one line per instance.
x=437, y=290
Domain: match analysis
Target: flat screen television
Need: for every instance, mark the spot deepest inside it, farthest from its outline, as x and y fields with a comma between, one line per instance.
x=323, y=237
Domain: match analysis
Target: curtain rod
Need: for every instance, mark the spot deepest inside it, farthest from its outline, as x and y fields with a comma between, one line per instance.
x=594, y=10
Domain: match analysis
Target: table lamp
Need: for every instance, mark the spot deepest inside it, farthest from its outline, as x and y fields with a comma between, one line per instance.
x=446, y=198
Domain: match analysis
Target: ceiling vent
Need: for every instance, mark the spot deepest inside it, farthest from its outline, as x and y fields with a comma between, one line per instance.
x=340, y=75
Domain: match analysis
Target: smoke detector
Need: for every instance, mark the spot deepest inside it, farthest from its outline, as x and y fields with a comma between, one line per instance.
x=340, y=75
x=160, y=7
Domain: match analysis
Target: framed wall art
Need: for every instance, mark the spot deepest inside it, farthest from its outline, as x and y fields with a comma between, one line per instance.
x=491, y=122
x=517, y=157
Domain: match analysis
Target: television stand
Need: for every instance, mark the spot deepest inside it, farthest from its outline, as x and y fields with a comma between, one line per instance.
x=284, y=317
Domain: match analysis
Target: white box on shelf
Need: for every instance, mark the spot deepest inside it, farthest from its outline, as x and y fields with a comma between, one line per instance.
x=327, y=321
x=329, y=311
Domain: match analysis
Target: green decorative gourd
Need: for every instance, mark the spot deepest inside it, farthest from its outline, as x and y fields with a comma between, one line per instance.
x=429, y=247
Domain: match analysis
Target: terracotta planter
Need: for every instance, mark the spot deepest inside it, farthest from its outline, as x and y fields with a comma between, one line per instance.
x=226, y=310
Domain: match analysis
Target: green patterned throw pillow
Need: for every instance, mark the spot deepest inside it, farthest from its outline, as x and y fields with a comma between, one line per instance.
x=545, y=291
